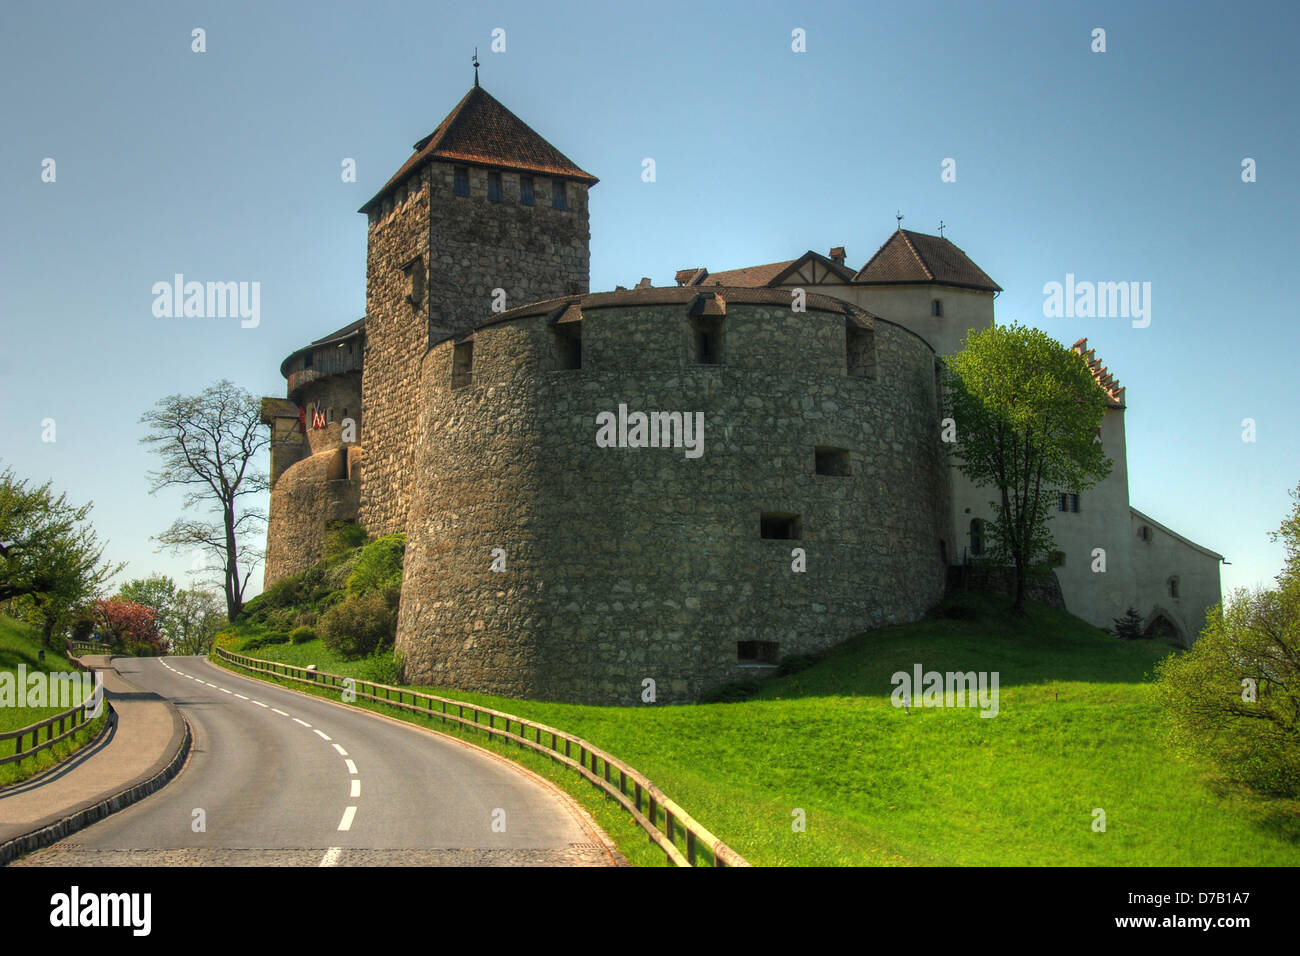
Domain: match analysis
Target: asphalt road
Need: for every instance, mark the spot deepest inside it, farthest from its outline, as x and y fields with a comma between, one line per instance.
x=282, y=779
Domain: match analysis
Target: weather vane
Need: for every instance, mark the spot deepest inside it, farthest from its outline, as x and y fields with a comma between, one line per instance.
x=476, y=66
x=899, y=216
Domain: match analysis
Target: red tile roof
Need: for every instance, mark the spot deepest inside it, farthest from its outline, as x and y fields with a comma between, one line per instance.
x=916, y=257
x=482, y=132
x=751, y=277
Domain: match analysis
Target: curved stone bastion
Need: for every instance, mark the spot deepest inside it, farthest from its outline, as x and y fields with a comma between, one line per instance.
x=560, y=546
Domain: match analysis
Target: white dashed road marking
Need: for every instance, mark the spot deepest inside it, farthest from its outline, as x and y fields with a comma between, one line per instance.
x=333, y=854
x=331, y=857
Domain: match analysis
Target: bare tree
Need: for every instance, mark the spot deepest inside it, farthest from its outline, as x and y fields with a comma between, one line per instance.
x=209, y=444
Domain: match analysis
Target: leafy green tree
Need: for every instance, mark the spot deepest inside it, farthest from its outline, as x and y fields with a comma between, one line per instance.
x=1234, y=698
x=157, y=591
x=210, y=444
x=51, y=560
x=197, y=615
x=1026, y=410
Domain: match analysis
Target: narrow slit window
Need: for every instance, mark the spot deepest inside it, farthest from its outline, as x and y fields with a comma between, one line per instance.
x=415, y=282
x=462, y=364
x=707, y=334
x=779, y=526
x=568, y=345
x=936, y=307
x=860, y=351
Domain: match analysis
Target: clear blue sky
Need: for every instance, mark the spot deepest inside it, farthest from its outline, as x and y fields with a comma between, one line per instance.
x=225, y=165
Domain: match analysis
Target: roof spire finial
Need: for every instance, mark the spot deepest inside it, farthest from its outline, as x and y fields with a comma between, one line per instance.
x=476, y=66
x=899, y=216
x=940, y=228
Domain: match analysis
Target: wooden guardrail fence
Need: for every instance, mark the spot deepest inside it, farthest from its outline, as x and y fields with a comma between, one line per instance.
x=67, y=723
x=649, y=806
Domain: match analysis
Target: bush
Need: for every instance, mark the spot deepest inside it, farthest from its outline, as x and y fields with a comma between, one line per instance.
x=340, y=538
x=265, y=640
x=379, y=565
x=1129, y=627
x=732, y=693
x=1234, y=698
x=336, y=578
x=361, y=623
x=382, y=667
x=301, y=635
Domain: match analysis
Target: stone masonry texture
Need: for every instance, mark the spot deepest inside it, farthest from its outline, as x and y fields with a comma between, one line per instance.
x=624, y=564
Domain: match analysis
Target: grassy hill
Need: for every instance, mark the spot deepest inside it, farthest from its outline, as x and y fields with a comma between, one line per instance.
x=19, y=644
x=1078, y=730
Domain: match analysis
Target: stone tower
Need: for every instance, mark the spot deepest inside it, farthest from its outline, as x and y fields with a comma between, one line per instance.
x=485, y=216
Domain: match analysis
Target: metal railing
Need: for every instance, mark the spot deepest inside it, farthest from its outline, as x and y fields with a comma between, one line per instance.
x=57, y=728
x=649, y=805
x=77, y=648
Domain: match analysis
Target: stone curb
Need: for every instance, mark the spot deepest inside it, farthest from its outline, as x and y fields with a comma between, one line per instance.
x=149, y=782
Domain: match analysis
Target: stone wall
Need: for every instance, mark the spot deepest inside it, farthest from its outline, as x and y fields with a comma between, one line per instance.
x=632, y=563
x=396, y=339
x=1002, y=580
x=307, y=497
x=468, y=246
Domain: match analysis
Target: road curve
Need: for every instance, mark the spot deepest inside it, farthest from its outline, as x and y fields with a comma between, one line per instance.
x=277, y=778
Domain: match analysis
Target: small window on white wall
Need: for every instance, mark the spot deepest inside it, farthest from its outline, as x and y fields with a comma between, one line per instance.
x=936, y=307
x=1173, y=587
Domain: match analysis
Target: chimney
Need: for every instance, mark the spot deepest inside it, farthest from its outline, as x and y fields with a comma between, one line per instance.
x=837, y=255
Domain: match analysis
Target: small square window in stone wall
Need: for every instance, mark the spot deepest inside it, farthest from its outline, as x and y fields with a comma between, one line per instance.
x=758, y=652
x=832, y=461
x=780, y=526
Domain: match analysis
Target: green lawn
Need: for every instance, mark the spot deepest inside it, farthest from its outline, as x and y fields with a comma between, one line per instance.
x=20, y=645
x=1077, y=730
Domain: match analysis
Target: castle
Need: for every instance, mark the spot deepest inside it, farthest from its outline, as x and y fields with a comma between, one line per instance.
x=562, y=540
